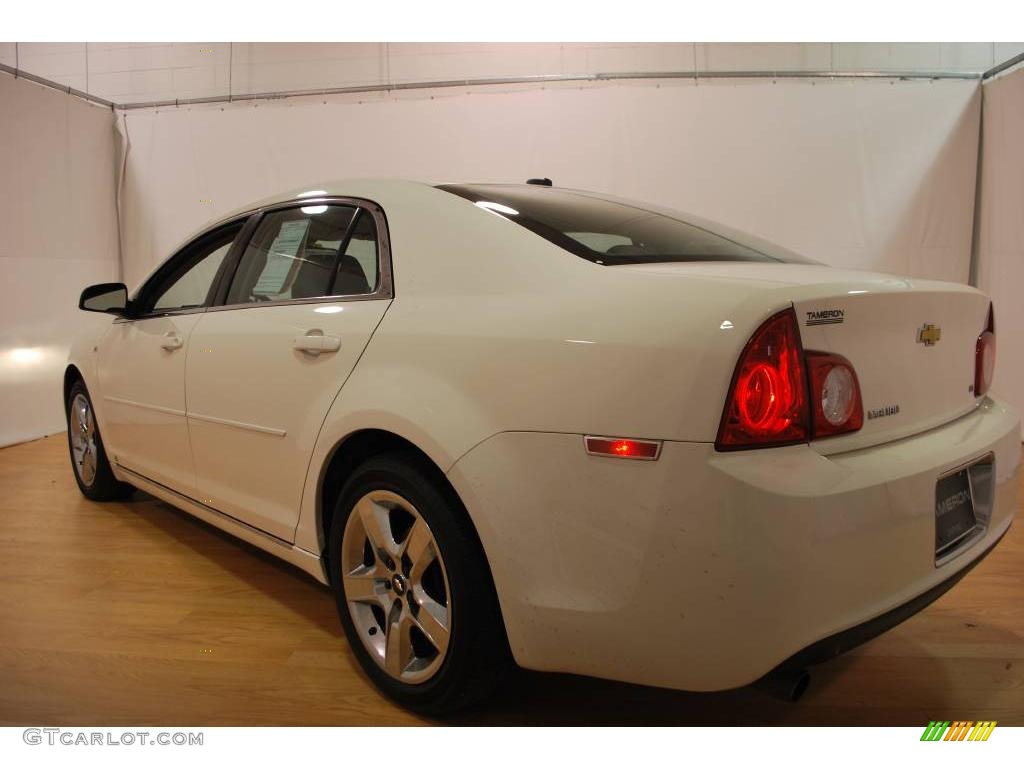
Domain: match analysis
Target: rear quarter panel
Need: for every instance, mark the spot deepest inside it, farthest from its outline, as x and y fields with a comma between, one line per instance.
x=494, y=329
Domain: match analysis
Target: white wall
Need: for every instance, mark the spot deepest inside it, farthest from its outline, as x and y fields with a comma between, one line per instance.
x=135, y=72
x=1001, y=227
x=58, y=233
x=868, y=174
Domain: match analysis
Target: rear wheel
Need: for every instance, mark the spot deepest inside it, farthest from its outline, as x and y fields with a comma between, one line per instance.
x=93, y=474
x=413, y=589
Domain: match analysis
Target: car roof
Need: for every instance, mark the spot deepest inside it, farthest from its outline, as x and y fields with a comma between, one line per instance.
x=389, y=190
x=355, y=187
x=368, y=187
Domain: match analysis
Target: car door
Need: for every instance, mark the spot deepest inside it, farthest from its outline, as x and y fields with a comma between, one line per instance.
x=264, y=367
x=141, y=364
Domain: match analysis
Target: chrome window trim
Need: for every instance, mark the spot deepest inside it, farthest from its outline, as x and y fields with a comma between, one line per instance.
x=157, y=315
x=385, y=282
x=289, y=302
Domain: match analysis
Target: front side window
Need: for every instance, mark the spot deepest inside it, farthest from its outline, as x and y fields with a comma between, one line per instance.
x=606, y=231
x=187, y=280
x=308, y=252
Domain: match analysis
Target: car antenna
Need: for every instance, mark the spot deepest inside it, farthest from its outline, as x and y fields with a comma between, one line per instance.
x=540, y=182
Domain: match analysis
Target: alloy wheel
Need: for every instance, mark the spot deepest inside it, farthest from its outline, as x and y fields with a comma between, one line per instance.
x=396, y=586
x=82, y=425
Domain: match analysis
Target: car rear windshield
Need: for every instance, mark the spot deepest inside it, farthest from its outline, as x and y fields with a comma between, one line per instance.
x=604, y=231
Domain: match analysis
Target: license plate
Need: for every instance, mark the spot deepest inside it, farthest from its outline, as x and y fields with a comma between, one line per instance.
x=954, y=511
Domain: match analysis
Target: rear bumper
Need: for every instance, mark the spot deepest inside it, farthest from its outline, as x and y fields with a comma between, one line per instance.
x=704, y=571
x=848, y=639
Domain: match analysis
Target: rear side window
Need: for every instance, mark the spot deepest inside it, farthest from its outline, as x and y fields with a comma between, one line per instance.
x=308, y=252
x=357, y=268
x=605, y=231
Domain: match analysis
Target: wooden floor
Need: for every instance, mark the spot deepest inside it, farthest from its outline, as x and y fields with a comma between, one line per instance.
x=135, y=613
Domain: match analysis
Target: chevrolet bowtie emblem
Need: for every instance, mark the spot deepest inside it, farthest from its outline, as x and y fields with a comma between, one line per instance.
x=929, y=335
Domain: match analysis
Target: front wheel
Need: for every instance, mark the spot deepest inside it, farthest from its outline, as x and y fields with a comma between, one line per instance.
x=413, y=588
x=93, y=474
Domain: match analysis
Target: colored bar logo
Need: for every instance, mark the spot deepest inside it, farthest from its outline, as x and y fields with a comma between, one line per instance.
x=960, y=730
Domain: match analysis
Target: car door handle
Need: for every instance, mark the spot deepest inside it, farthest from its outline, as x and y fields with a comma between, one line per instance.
x=171, y=341
x=315, y=343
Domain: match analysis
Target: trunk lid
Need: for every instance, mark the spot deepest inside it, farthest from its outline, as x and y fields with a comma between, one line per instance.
x=911, y=342
x=913, y=352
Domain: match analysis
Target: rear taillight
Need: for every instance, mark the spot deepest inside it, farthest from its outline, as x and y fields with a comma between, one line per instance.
x=835, y=395
x=768, y=402
x=985, y=357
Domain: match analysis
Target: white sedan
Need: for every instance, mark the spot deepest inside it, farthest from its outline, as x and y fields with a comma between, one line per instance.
x=520, y=423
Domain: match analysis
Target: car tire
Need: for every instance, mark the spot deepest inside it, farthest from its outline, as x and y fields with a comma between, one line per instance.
x=389, y=490
x=89, y=461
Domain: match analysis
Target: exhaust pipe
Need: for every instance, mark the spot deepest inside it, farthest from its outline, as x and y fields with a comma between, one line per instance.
x=786, y=683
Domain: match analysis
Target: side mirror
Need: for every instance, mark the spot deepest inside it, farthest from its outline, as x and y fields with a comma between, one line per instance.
x=105, y=297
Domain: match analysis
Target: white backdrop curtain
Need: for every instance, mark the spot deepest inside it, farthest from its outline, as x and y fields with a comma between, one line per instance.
x=1001, y=227
x=58, y=233
x=865, y=174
